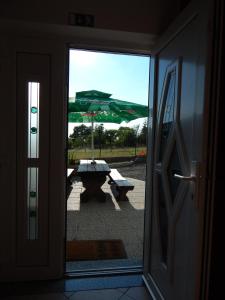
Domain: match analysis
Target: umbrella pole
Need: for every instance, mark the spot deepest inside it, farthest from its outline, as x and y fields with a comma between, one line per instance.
x=92, y=137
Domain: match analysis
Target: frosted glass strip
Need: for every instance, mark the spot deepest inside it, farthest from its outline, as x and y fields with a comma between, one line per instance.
x=32, y=203
x=33, y=119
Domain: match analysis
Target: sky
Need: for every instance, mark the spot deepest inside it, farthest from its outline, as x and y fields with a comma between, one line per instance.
x=126, y=77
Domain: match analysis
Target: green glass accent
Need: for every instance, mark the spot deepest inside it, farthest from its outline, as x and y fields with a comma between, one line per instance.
x=33, y=194
x=34, y=110
x=33, y=130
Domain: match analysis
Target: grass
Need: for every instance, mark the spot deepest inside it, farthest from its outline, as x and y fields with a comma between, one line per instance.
x=76, y=154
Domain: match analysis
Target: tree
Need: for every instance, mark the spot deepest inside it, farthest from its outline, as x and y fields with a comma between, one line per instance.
x=80, y=136
x=110, y=137
x=99, y=137
x=136, y=129
x=142, y=139
x=126, y=137
x=81, y=131
x=70, y=143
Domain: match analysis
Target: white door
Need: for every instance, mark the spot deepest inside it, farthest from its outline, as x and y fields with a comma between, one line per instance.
x=33, y=193
x=173, y=234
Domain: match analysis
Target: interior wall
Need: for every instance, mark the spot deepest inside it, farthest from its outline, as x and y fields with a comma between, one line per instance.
x=142, y=16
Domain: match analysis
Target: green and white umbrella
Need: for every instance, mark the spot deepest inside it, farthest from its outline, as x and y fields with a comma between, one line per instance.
x=95, y=106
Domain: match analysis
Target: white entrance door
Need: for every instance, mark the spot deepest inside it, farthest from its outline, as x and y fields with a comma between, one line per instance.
x=33, y=216
x=173, y=214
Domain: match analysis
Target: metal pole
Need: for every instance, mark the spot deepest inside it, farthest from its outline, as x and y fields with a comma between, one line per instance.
x=92, y=136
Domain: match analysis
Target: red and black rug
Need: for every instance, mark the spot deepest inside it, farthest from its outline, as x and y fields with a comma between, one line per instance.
x=95, y=249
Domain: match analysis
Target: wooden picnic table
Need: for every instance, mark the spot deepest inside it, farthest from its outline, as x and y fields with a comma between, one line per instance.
x=70, y=173
x=93, y=176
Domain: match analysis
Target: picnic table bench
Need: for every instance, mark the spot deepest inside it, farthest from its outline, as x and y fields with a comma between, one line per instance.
x=70, y=173
x=93, y=176
x=122, y=184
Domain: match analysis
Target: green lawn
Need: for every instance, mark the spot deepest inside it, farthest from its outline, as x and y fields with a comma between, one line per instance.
x=76, y=154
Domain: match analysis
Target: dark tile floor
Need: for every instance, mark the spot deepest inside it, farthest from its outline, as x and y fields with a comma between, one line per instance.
x=98, y=288
x=135, y=293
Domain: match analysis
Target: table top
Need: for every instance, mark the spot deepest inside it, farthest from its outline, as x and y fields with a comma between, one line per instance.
x=69, y=172
x=100, y=167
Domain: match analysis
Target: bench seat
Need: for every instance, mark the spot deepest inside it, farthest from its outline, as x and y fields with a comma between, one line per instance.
x=70, y=173
x=122, y=184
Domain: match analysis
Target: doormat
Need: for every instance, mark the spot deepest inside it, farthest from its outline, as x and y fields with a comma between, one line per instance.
x=95, y=250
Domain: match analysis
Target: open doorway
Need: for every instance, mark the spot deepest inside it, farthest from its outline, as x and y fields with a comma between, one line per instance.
x=105, y=229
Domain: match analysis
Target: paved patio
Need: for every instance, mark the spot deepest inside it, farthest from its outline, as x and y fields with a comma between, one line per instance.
x=109, y=220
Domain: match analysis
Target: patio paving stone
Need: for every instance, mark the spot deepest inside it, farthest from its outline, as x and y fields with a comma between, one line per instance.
x=109, y=220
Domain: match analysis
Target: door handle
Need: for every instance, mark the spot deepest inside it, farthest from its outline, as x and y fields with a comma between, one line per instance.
x=185, y=178
x=196, y=179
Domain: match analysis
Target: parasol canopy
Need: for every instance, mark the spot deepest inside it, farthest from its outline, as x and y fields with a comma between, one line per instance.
x=96, y=106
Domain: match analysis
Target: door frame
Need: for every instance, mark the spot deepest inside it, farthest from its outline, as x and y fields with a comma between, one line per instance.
x=107, y=41
x=115, y=50
x=214, y=211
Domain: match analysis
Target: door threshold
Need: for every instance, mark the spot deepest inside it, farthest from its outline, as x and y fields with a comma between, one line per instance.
x=91, y=281
x=104, y=271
